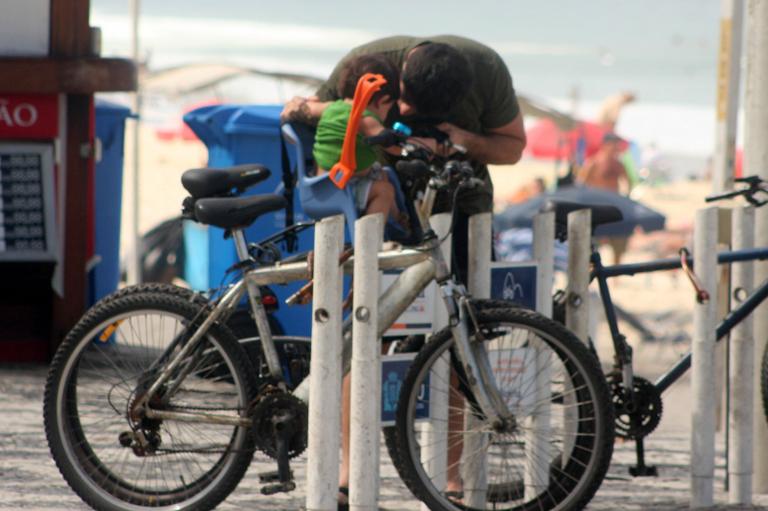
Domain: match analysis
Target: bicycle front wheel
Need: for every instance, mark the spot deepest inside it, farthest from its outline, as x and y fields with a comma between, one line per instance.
x=554, y=455
x=115, y=458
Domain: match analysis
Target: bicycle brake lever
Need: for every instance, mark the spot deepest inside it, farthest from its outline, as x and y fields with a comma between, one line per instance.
x=702, y=296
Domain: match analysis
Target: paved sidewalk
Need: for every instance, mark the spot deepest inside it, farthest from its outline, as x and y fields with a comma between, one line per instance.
x=29, y=479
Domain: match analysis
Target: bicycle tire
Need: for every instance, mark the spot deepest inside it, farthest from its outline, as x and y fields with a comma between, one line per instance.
x=568, y=486
x=764, y=381
x=197, y=476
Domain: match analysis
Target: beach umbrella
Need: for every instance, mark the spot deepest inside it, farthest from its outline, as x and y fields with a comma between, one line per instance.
x=634, y=213
x=545, y=139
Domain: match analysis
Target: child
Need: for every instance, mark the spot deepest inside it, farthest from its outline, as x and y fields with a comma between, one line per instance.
x=372, y=190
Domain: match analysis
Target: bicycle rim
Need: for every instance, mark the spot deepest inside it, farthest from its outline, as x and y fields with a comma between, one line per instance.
x=562, y=412
x=102, y=377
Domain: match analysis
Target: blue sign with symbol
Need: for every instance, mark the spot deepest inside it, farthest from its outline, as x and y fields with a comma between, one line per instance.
x=393, y=371
x=514, y=283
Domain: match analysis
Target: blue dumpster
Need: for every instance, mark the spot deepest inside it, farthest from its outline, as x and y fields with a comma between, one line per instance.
x=108, y=192
x=236, y=134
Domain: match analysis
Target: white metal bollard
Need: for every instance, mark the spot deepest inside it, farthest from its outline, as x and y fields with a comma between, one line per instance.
x=703, y=352
x=435, y=439
x=544, y=255
x=756, y=163
x=539, y=424
x=742, y=347
x=579, y=245
x=366, y=367
x=576, y=309
x=325, y=368
x=474, y=474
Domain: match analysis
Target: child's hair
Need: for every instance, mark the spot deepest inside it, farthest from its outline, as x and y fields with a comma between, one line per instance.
x=375, y=63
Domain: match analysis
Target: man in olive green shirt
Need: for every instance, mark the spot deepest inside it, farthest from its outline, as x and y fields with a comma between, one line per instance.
x=464, y=88
x=485, y=117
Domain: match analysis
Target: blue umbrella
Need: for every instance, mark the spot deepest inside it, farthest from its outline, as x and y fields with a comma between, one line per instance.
x=634, y=213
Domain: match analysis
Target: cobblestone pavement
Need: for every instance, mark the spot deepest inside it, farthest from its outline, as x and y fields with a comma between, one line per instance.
x=30, y=480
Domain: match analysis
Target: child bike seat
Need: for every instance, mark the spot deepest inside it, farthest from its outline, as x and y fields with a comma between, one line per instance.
x=213, y=182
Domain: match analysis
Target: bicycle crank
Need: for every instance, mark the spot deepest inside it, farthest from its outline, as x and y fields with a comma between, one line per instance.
x=280, y=430
x=637, y=419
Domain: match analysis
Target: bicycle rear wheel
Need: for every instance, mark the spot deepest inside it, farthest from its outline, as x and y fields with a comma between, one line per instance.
x=554, y=456
x=104, y=365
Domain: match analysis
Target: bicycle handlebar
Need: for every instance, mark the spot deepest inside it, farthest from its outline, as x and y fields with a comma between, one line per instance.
x=756, y=185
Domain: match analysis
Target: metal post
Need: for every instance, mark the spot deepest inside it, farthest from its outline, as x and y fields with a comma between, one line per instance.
x=474, y=473
x=539, y=424
x=579, y=244
x=742, y=356
x=325, y=368
x=434, y=433
x=134, y=256
x=703, y=370
x=544, y=255
x=756, y=163
x=366, y=367
x=728, y=76
x=576, y=310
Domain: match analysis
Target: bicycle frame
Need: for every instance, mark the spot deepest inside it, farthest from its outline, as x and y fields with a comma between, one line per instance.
x=603, y=273
x=422, y=265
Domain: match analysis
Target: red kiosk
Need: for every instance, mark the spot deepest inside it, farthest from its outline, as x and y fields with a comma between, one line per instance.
x=49, y=73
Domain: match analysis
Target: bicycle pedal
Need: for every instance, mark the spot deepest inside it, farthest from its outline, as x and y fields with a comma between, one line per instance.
x=271, y=476
x=271, y=489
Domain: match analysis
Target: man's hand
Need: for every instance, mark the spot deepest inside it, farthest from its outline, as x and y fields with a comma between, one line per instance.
x=456, y=135
x=304, y=110
x=502, y=145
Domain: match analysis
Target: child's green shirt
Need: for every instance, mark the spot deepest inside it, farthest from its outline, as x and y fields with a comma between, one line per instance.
x=329, y=137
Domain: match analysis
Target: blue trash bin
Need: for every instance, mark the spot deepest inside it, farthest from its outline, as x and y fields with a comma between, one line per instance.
x=108, y=192
x=237, y=134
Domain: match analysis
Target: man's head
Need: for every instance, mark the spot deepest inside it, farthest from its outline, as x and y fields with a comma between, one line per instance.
x=435, y=77
x=374, y=63
x=612, y=143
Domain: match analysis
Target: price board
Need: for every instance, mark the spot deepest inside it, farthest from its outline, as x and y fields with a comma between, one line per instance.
x=27, y=228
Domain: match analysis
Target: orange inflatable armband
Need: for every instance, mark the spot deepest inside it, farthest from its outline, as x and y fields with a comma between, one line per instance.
x=367, y=86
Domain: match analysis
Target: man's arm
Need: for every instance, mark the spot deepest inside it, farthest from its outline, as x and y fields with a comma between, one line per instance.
x=502, y=146
x=303, y=110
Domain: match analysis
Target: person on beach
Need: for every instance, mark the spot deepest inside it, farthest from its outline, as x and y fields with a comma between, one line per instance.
x=465, y=89
x=372, y=190
x=605, y=170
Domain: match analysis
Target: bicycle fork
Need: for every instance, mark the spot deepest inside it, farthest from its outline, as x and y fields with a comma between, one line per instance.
x=474, y=359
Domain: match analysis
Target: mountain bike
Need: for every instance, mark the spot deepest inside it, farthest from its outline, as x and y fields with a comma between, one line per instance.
x=637, y=401
x=151, y=401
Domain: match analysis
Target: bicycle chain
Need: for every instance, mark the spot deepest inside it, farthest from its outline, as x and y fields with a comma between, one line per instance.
x=162, y=451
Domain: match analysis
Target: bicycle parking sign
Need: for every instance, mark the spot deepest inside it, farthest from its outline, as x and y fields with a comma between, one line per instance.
x=515, y=282
x=393, y=371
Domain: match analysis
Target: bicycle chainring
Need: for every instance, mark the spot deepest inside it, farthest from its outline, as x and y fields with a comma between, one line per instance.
x=648, y=407
x=277, y=412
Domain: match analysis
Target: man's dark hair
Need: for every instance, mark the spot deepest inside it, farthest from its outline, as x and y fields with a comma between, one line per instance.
x=375, y=63
x=436, y=77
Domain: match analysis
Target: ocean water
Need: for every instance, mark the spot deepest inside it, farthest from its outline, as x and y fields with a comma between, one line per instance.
x=664, y=51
